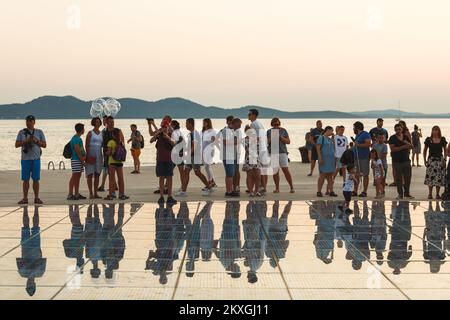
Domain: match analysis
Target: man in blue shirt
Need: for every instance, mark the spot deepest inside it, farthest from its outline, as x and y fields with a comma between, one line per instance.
x=378, y=131
x=361, y=152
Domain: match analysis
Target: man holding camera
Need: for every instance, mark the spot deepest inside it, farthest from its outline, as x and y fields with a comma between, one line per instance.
x=31, y=140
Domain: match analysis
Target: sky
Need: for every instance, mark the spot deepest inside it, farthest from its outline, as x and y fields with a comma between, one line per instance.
x=346, y=55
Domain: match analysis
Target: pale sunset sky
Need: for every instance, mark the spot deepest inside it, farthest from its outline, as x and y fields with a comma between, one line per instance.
x=346, y=55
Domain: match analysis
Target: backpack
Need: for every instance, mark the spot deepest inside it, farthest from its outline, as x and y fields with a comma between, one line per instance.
x=120, y=154
x=67, y=152
x=142, y=142
x=347, y=157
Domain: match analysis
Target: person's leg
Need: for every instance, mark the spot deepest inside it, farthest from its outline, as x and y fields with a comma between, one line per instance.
x=36, y=189
x=135, y=161
x=96, y=181
x=76, y=183
x=344, y=172
x=257, y=179
x=112, y=179
x=264, y=179
x=237, y=178
x=201, y=176
x=320, y=182
x=25, y=188
x=229, y=184
x=330, y=183
x=396, y=167
x=72, y=184
x=169, y=182
x=89, y=183
x=438, y=190
x=407, y=178
x=161, y=186
x=430, y=192
x=366, y=183
x=288, y=176
x=313, y=165
x=25, y=176
x=413, y=158
x=121, y=181
x=357, y=181
x=138, y=163
x=105, y=175
x=276, y=180
x=186, y=174
x=251, y=181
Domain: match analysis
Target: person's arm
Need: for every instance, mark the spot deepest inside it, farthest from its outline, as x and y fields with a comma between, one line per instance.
x=285, y=138
x=122, y=138
x=87, y=143
x=79, y=153
x=366, y=144
x=168, y=138
x=152, y=128
x=319, y=151
x=425, y=151
x=20, y=140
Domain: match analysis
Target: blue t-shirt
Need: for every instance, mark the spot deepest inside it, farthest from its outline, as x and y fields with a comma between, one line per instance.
x=363, y=152
x=73, y=142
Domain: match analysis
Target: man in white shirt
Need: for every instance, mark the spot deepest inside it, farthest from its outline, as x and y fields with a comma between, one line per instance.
x=340, y=145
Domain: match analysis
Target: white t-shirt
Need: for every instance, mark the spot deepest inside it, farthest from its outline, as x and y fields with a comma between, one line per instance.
x=341, y=144
x=176, y=135
x=208, y=137
x=349, y=183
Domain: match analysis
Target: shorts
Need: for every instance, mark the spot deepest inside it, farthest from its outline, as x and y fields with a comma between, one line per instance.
x=283, y=161
x=135, y=153
x=77, y=166
x=230, y=169
x=31, y=168
x=362, y=166
x=314, y=155
x=164, y=169
x=192, y=166
x=347, y=195
x=116, y=165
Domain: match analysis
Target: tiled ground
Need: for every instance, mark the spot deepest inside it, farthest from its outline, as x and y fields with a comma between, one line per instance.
x=226, y=250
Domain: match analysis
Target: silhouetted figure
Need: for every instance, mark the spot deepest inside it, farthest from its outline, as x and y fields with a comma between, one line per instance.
x=278, y=228
x=74, y=247
x=193, y=245
x=324, y=237
x=94, y=239
x=228, y=248
x=114, y=246
x=361, y=235
x=206, y=232
x=31, y=265
x=254, y=246
x=433, y=238
x=378, y=230
x=399, y=251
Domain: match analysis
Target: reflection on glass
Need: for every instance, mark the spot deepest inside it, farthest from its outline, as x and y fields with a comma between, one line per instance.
x=31, y=265
x=399, y=251
x=74, y=247
x=278, y=227
x=434, y=237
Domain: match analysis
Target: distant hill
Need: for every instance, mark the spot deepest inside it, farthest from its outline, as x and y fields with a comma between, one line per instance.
x=69, y=107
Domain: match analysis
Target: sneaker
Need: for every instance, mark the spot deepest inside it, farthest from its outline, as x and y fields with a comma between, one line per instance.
x=309, y=175
x=181, y=194
x=332, y=194
x=81, y=197
x=124, y=197
x=161, y=200
x=319, y=194
x=206, y=189
x=71, y=197
x=171, y=201
x=235, y=194
x=228, y=194
x=409, y=196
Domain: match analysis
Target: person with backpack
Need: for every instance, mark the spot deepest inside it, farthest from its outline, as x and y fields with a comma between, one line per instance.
x=77, y=161
x=31, y=141
x=116, y=153
x=137, y=143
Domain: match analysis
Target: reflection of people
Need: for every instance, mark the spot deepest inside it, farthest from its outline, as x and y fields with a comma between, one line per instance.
x=378, y=232
x=193, y=246
x=361, y=235
x=114, y=246
x=399, y=251
x=206, y=232
x=31, y=265
x=254, y=246
x=94, y=239
x=433, y=238
x=278, y=228
x=161, y=259
x=324, y=237
x=230, y=240
x=74, y=247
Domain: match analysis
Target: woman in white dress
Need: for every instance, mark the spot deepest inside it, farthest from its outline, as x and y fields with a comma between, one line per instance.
x=94, y=157
x=208, y=149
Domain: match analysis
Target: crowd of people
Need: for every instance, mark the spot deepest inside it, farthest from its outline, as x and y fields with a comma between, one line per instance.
x=258, y=152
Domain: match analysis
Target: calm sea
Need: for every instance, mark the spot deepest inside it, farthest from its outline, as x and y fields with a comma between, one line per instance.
x=59, y=132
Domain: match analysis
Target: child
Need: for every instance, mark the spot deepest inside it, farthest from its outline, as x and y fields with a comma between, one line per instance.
x=381, y=146
x=348, y=187
x=164, y=164
x=77, y=162
x=115, y=166
x=252, y=165
x=378, y=173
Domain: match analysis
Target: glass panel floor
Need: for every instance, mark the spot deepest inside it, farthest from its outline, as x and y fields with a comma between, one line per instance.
x=226, y=250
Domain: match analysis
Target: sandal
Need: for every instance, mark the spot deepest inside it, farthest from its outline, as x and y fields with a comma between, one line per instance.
x=319, y=194
x=101, y=189
x=362, y=195
x=23, y=201
x=276, y=191
x=124, y=197
x=71, y=197
x=108, y=198
x=332, y=194
x=38, y=201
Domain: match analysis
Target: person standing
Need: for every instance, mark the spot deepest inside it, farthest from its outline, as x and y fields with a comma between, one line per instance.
x=252, y=165
x=382, y=149
x=378, y=130
x=327, y=165
x=363, y=141
x=107, y=135
x=77, y=162
x=416, y=135
x=279, y=154
x=436, y=144
x=263, y=152
x=94, y=157
x=136, y=140
x=194, y=159
x=105, y=158
x=341, y=145
x=115, y=165
x=315, y=133
x=164, y=164
x=400, y=146
x=179, y=146
x=208, y=150
x=31, y=141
